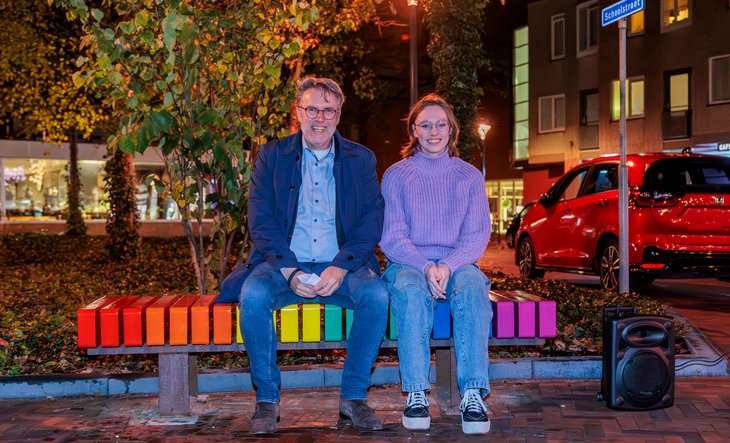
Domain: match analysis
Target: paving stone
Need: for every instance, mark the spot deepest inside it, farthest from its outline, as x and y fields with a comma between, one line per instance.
x=524, y=411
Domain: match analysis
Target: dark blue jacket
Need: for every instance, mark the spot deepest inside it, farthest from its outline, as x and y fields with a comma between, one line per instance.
x=272, y=208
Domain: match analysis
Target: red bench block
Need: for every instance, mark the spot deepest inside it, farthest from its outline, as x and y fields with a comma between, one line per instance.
x=88, y=322
x=111, y=321
x=134, y=320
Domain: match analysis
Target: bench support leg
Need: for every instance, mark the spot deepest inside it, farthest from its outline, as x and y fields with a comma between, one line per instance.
x=446, y=381
x=178, y=381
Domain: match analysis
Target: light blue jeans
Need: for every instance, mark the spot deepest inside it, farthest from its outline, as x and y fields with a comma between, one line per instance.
x=265, y=290
x=413, y=306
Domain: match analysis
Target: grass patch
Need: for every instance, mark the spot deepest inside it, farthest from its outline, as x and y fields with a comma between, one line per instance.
x=46, y=278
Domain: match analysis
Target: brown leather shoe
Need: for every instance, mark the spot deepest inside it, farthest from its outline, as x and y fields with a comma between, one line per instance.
x=265, y=418
x=360, y=414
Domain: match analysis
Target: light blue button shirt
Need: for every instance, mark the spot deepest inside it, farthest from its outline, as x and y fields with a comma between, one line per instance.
x=315, y=232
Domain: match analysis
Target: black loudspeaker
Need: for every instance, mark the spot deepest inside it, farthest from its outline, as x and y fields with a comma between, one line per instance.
x=638, y=360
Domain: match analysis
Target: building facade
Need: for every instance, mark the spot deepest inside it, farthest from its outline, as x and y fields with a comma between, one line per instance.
x=566, y=89
x=34, y=187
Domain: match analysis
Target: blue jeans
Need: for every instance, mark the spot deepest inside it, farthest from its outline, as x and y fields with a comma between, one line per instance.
x=413, y=306
x=265, y=290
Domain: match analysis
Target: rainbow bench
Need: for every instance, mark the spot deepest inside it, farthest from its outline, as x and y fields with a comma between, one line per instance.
x=177, y=328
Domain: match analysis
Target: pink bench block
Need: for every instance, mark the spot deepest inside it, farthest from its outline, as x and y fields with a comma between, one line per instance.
x=503, y=317
x=546, y=314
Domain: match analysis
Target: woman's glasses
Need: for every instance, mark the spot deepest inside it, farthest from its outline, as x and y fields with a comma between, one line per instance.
x=441, y=126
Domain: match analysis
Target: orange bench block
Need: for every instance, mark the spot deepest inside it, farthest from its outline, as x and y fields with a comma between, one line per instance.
x=157, y=319
x=110, y=317
x=134, y=320
x=223, y=324
x=88, y=322
x=180, y=319
x=200, y=315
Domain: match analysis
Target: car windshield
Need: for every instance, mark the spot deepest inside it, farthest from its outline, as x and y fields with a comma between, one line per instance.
x=688, y=175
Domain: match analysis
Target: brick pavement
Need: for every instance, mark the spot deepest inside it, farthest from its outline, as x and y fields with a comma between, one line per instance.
x=521, y=411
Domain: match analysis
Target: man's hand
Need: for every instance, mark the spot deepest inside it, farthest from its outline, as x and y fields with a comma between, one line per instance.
x=330, y=280
x=433, y=277
x=301, y=289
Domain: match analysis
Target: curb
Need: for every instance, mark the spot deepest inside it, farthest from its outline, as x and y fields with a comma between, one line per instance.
x=318, y=376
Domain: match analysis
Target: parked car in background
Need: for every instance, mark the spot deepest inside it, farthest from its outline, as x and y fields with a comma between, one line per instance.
x=679, y=220
x=514, y=225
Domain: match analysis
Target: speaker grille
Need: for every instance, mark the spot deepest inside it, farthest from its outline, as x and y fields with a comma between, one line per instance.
x=644, y=377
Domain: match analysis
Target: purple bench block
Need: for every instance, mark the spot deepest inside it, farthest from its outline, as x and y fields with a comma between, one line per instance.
x=546, y=314
x=503, y=320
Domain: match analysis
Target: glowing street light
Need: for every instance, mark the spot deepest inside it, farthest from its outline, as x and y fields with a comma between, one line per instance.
x=483, y=130
x=413, y=35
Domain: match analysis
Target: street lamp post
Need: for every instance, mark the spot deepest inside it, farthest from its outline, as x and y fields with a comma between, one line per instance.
x=413, y=40
x=483, y=130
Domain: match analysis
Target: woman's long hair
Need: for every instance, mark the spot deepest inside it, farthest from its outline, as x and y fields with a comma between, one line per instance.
x=411, y=147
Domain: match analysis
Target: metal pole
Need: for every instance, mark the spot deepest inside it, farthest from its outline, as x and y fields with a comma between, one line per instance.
x=484, y=158
x=413, y=38
x=3, y=202
x=623, y=188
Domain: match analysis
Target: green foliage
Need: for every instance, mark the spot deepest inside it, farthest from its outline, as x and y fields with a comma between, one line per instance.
x=37, y=61
x=40, y=299
x=203, y=83
x=122, y=224
x=457, y=55
x=47, y=278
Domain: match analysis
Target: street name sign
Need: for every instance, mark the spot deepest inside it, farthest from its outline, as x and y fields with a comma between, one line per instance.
x=620, y=10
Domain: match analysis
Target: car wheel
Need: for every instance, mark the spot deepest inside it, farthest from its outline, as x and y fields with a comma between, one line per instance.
x=608, y=266
x=510, y=238
x=526, y=260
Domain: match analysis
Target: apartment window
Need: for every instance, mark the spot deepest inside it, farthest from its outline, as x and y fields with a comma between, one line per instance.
x=634, y=98
x=675, y=12
x=720, y=79
x=557, y=37
x=677, y=91
x=636, y=23
x=520, y=94
x=588, y=26
x=589, y=107
x=552, y=113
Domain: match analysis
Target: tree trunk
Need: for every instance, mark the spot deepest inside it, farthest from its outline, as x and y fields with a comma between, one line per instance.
x=75, y=224
x=122, y=226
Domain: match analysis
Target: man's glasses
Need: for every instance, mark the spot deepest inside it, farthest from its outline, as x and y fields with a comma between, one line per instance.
x=441, y=126
x=312, y=112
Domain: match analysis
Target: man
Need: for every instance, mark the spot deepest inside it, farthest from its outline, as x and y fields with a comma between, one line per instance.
x=314, y=208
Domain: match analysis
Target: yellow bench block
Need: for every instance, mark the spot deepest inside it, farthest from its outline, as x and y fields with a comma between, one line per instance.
x=311, y=330
x=289, y=324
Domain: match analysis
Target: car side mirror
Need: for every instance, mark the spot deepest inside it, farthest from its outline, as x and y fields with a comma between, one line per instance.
x=547, y=200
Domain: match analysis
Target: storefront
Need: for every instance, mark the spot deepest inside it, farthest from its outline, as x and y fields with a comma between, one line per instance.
x=34, y=182
x=505, y=200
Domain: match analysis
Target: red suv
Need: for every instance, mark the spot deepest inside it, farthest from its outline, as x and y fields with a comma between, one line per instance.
x=679, y=220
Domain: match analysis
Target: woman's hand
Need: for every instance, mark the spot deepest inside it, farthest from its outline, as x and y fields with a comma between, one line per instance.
x=434, y=278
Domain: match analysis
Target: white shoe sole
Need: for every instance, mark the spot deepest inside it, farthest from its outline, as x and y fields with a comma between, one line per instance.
x=416, y=423
x=476, y=427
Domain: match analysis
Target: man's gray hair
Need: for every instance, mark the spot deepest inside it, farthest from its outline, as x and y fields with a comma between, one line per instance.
x=325, y=85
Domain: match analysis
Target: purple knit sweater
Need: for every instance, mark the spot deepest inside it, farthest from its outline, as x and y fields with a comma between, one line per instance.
x=435, y=208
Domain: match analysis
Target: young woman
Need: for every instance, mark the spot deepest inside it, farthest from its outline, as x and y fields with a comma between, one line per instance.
x=437, y=225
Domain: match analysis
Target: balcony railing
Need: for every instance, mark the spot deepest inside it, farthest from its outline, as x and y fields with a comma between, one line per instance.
x=676, y=124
